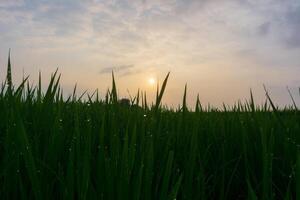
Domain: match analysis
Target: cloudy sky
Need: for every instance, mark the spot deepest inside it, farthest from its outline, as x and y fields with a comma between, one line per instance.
x=220, y=48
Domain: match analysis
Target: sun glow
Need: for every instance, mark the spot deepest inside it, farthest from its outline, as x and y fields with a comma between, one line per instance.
x=151, y=81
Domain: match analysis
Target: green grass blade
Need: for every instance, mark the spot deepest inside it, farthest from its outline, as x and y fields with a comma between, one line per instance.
x=9, y=76
x=184, y=106
x=292, y=98
x=298, y=176
x=114, y=89
x=161, y=92
x=166, y=177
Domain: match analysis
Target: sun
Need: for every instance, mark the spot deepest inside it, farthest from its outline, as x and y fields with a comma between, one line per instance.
x=151, y=81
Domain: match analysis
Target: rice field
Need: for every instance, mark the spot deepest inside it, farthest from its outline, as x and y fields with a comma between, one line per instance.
x=97, y=148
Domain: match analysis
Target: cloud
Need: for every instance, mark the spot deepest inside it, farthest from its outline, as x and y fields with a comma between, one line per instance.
x=11, y=3
x=187, y=37
x=293, y=28
x=264, y=28
x=293, y=41
x=123, y=69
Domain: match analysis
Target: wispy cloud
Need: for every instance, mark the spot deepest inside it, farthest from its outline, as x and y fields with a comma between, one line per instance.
x=11, y=3
x=293, y=27
x=191, y=38
x=264, y=28
x=123, y=69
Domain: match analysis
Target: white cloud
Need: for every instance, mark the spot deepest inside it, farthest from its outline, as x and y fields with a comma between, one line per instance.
x=190, y=38
x=11, y=3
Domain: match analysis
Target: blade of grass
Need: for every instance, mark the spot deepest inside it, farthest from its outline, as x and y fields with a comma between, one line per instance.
x=161, y=92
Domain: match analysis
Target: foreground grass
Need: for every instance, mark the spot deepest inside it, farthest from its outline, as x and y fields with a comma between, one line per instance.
x=51, y=148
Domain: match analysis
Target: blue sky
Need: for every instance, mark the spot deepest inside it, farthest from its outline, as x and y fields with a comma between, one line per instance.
x=219, y=48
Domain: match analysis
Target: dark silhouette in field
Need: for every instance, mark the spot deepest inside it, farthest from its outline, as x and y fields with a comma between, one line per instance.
x=124, y=102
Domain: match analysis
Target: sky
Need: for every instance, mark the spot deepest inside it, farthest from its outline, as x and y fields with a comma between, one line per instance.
x=219, y=48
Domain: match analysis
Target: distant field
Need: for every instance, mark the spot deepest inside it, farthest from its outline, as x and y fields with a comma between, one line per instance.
x=55, y=148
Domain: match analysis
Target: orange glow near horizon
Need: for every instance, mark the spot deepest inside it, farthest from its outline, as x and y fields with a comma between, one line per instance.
x=151, y=81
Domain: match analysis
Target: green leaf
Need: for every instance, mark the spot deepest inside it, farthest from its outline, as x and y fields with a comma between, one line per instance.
x=161, y=92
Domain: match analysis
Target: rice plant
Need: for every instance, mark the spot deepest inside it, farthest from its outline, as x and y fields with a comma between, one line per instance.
x=98, y=148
